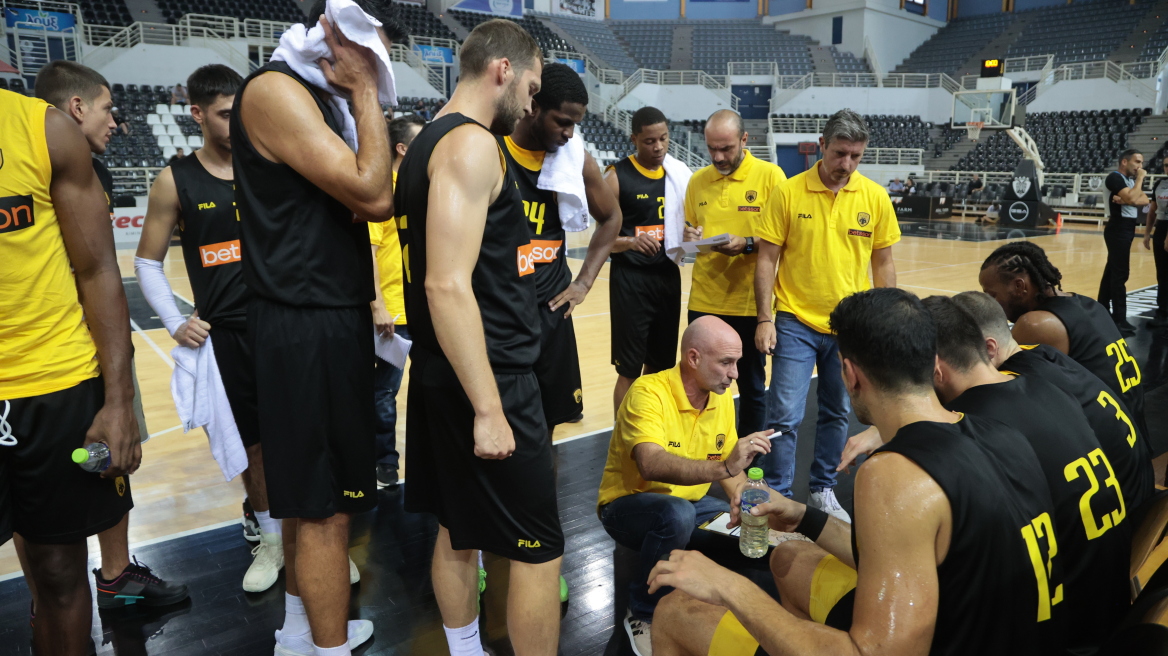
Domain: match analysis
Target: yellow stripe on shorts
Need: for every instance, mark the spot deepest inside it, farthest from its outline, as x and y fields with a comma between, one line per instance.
x=732, y=639
x=830, y=582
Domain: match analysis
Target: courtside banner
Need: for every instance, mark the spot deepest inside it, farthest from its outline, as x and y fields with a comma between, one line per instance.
x=576, y=64
x=52, y=21
x=512, y=8
x=127, y=223
x=577, y=8
x=435, y=54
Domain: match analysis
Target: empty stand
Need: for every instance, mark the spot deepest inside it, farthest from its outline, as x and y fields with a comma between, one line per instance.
x=886, y=131
x=649, y=42
x=273, y=10
x=547, y=39
x=606, y=143
x=846, y=62
x=421, y=22
x=718, y=42
x=955, y=43
x=1078, y=32
x=600, y=39
x=106, y=12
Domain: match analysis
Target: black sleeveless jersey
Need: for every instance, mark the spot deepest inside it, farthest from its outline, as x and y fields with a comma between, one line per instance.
x=107, y=182
x=1121, y=438
x=642, y=203
x=1000, y=582
x=1096, y=344
x=542, y=210
x=1094, y=538
x=502, y=281
x=300, y=246
x=209, y=228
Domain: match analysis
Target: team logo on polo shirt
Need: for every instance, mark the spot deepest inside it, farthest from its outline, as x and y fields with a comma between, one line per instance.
x=751, y=196
x=720, y=441
x=863, y=218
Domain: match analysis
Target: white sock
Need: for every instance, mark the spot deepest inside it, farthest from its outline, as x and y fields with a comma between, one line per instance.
x=295, y=619
x=340, y=650
x=464, y=641
x=481, y=560
x=267, y=524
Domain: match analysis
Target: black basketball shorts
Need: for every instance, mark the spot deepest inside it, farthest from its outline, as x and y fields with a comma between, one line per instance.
x=314, y=393
x=645, y=314
x=558, y=367
x=236, y=365
x=44, y=495
x=505, y=507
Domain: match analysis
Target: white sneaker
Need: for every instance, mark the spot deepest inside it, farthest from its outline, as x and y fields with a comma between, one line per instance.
x=639, y=635
x=826, y=501
x=269, y=560
x=360, y=631
x=354, y=575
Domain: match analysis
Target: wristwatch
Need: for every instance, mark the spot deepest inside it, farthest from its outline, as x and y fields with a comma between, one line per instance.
x=749, y=246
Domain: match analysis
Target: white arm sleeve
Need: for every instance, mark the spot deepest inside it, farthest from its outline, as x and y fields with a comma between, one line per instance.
x=156, y=289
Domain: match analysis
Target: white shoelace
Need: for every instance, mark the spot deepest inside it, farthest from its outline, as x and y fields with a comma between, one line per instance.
x=6, y=436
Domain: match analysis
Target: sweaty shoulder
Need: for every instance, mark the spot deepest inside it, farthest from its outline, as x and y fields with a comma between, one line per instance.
x=1041, y=327
x=465, y=149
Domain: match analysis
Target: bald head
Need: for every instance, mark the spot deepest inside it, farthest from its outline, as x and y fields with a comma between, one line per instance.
x=726, y=140
x=710, y=350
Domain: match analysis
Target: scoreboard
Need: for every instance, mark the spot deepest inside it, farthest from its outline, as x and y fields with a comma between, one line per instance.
x=993, y=67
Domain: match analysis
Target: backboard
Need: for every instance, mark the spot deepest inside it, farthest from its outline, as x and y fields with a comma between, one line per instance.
x=994, y=108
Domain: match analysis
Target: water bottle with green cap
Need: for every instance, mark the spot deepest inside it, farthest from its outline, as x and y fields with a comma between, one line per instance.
x=754, y=534
x=93, y=458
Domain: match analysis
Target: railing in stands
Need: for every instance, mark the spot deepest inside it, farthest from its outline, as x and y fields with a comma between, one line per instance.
x=1080, y=184
x=798, y=125
x=622, y=120
x=716, y=83
x=921, y=81
x=1042, y=63
x=753, y=68
x=602, y=75
x=893, y=156
x=843, y=80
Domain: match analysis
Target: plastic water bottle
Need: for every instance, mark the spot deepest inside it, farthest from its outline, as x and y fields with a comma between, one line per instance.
x=754, y=535
x=93, y=458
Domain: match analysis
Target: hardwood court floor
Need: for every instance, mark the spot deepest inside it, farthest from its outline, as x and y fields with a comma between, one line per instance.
x=179, y=488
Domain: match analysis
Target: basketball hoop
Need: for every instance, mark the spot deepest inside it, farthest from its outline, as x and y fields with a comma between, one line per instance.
x=974, y=128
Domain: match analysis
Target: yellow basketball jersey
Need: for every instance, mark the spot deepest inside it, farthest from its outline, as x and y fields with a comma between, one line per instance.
x=45, y=345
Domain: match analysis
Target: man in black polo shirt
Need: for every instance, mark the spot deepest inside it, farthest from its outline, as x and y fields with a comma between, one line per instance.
x=303, y=197
x=1125, y=184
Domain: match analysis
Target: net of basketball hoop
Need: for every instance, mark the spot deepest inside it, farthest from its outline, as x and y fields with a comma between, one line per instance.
x=974, y=128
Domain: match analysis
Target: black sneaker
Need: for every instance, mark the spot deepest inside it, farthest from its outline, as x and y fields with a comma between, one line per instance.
x=1158, y=321
x=251, y=525
x=137, y=585
x=386, y=476
x=1125, y=328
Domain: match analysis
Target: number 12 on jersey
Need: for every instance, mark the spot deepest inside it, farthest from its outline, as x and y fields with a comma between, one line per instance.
x=1038, y=529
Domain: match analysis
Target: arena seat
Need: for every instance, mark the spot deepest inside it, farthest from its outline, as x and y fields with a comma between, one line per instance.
x=718, y=42
x=650, y=42
x=1070, y=142
x=954, y=44
x=547, y=39
x=273, y=10
x=1059, y=30
x=598, y=37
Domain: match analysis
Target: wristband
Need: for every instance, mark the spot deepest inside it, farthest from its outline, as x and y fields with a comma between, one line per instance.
x=813, y=522
x=766, y=321
x=727, y=468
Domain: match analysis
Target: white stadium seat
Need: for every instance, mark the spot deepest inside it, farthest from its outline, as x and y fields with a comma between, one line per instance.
x=158, y=129
x=153, y=119
x=178, y=110
x=168, y=152
x=161, y=109
x=179, y=141
x=195, y=142
x=174, y=130
x=167, y=119
x=163, y=141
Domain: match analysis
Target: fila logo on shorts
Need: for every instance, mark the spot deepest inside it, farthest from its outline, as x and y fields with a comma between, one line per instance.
x=529, y=544
x=224, y=252
x=15, y=213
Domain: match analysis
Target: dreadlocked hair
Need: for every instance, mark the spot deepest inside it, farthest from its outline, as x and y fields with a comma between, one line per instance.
x=1024, y=257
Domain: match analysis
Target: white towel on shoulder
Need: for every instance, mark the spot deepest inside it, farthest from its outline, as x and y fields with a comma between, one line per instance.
x=677, y=177
x=563, y=173
x=301, y=46
x=200, y=399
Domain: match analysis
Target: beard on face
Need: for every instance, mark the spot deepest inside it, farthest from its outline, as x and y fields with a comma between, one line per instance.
x=860, y=409
x=508, y=110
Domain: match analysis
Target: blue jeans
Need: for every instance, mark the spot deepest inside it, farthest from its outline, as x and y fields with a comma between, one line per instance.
x=798, y=349
x=387, y=381
x=654, y=524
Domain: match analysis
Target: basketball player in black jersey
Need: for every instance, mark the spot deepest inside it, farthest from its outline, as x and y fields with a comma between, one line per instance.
x=196, y=194
x=476, y=440
x=952, y=521
x=1123, y=442
x=557, y=108
x=84, y=95
x=304, y=196
x=645, y=285
x=1090, y=506
x=1023, y=281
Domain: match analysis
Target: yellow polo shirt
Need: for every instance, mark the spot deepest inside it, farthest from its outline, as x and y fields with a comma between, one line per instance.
x=389, y=265
x=728, y=203
x=826, y=242
x=656, y=410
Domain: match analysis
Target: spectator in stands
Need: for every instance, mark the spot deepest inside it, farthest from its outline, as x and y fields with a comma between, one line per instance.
x=420, y=109
x=992, y=213
x=439, y=105
x=896, y=186
x=833, y=221
x=975, y=183
x=178, y=154
x=723, y=279
x=655, y=487
x=1127, y=197
x=178, y=95
x=910, y=187
x=123, y=126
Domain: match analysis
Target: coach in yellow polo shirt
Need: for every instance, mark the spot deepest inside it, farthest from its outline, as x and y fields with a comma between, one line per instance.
x=729, y=197
x=823, y=228
x=674, y=435
x=389, y=310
